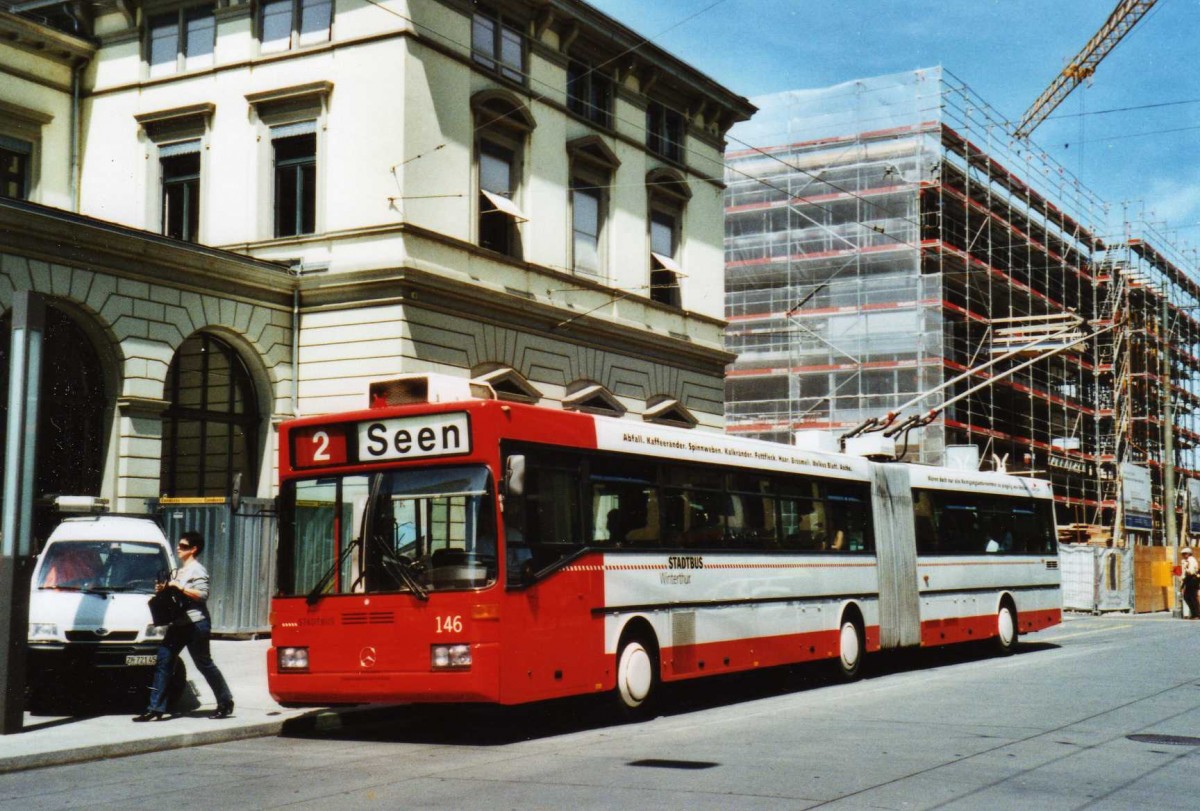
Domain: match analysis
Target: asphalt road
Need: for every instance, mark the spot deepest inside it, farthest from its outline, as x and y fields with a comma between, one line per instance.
x=1099, y=713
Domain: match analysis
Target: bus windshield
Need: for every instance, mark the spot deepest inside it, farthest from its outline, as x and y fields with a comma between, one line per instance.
x=395, y=531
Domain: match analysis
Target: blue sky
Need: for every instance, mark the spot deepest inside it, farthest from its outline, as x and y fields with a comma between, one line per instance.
x=1007, y=51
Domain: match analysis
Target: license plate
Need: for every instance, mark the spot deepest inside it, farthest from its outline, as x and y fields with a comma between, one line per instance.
x=140, y=660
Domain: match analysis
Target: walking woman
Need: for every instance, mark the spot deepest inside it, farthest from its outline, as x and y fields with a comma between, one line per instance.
x=191, y=630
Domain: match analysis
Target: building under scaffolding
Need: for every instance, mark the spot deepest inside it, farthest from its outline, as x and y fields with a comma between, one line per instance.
x=886, y=236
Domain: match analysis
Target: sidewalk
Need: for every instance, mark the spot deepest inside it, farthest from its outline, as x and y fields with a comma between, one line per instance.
x=51, y=741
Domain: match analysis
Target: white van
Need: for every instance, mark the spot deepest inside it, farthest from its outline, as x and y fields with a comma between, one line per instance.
x=89, y=621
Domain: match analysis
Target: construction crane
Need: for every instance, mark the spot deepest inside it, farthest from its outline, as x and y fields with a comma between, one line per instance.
x=1122, y=20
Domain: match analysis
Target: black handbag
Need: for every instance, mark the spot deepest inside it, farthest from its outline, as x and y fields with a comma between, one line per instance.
x=168, y=606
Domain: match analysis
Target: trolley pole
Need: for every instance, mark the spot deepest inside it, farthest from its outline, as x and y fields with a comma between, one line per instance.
x=16, y=527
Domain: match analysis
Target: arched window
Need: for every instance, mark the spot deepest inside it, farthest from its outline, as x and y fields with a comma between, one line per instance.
x=210, y=429
x=70, y=435
x=72, y=410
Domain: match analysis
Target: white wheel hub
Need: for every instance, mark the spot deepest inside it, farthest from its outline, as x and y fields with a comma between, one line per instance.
x=1006, y=628
x=850, y=646
x=635, y=674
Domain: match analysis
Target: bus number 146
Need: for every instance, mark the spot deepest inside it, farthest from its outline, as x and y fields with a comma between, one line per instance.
x=449, y=625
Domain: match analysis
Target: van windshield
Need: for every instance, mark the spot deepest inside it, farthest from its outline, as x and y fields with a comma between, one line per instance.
x=103, y=566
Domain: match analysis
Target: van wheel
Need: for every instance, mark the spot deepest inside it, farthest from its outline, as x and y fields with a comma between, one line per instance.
x=1006, y=629
x=637, y=677
x=850, y=650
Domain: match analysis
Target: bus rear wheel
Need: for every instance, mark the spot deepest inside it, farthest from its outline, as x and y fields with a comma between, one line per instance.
x=637, y=677
x=850, y=650
x=1006, y=629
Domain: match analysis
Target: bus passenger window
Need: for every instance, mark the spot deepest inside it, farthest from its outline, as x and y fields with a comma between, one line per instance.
x=644, y=520
x=751, y=522
x=923, y=524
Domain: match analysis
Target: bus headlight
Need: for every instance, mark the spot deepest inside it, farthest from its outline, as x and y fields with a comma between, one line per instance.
x=293, y=658
x=450, y=657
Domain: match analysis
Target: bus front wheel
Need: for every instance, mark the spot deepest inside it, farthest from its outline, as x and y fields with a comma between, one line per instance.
x=637, y=676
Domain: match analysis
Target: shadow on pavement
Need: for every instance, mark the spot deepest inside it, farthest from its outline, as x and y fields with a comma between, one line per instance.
x=490, y=725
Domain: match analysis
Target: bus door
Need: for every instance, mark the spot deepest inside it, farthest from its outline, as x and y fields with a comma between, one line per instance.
x=896, y=554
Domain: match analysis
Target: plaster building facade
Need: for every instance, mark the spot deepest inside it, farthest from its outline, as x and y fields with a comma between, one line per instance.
x=242, y=212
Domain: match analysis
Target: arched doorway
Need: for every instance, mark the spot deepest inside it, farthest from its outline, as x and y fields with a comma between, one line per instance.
x=71, y=415
x=211, y=427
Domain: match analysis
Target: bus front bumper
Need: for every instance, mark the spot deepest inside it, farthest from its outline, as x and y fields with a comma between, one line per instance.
x=371, y=684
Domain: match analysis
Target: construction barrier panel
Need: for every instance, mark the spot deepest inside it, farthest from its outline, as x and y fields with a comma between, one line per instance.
x=1096, y=578
x=239, y=555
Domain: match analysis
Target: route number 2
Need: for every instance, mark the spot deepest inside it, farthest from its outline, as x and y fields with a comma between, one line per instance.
x=321, y=450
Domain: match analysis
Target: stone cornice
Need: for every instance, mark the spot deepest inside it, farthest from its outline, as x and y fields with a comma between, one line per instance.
x=436, y=292
x=59, y=237
x=43, y=40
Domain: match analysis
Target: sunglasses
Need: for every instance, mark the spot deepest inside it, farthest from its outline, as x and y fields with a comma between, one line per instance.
x=184, y=546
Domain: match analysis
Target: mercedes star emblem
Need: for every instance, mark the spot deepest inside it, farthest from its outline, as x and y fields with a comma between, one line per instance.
x=366, y=657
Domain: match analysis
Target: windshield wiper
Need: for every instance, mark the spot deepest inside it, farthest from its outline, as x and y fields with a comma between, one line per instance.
x=318, y=591
x=401, y=567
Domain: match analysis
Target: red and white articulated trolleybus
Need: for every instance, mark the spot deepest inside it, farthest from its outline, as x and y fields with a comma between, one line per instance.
x=462, y=548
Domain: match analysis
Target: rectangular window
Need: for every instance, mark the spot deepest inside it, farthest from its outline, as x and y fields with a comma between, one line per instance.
x=587, y=217
x=664, y=269
x=285, y=24
x=958, y=523
x=164, y=43
x=181, y=40
x=275, y=25
x=14, y=168
x=316, y=17
x=181, y=190
x=664, y=132
x=200, y=37
x=498, y=214
x=589, y=93
x=498, y=44
x=295, y=179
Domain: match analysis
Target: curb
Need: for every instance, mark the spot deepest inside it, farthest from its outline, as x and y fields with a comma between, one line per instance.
x=82, y=754
x=315, y=722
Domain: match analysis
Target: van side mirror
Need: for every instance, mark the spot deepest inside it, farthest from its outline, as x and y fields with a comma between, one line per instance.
x=514, y=475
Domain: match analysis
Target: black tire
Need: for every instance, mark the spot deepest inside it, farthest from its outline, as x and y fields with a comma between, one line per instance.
x=1007, y=632
x=851, y=649
x=637, y=677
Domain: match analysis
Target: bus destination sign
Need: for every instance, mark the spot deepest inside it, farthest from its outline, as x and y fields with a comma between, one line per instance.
x=381, y=440
x=414, y=437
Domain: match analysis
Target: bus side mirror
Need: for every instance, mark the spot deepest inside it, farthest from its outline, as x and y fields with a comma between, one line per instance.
x=514, y=475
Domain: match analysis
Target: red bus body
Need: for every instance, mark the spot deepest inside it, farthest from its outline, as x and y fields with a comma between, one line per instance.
x=704, y=611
